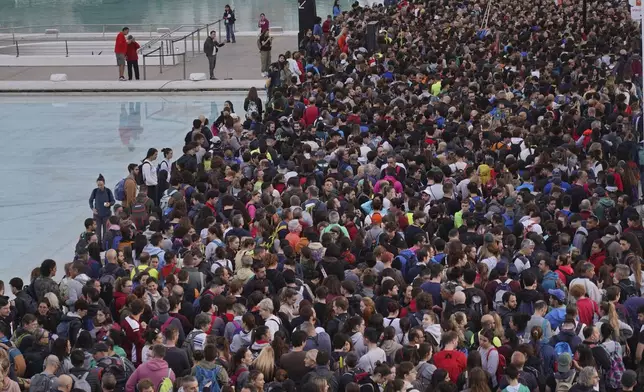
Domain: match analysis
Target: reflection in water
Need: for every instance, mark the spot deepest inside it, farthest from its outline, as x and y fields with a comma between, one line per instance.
x=130, y=127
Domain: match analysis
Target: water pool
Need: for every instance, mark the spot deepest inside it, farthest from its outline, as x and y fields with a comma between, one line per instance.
x=54, y=149
x=164, y=12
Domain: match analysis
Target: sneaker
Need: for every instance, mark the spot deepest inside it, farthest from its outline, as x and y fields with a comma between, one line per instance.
x=214, y=78
x=122, y=79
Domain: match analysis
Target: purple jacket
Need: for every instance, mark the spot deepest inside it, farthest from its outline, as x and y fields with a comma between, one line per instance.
x=155, y=369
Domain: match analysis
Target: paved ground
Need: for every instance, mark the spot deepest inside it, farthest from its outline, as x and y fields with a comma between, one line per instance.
x=235, y=61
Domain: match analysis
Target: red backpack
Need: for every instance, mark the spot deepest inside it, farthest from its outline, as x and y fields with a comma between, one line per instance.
x=501, y=368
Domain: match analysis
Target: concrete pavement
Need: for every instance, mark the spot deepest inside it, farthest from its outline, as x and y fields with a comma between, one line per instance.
x=235, y=61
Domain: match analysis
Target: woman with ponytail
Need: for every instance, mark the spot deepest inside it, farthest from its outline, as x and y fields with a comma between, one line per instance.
x=542, y=349
x=635, y=262
x=608, y=315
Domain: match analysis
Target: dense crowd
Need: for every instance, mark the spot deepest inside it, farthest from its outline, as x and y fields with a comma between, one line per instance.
x=453, y=209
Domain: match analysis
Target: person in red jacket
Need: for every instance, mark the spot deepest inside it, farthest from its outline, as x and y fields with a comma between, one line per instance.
x=120, y=49
x=132, y=57
x=449, y=358
x=311, y=113
x=134, y=328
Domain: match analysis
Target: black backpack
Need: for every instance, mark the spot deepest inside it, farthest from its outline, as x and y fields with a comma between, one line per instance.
x=121, y=368
x=139, y=177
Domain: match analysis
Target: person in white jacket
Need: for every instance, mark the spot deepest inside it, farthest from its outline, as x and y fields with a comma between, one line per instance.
x=292, y=65
x=587, y=273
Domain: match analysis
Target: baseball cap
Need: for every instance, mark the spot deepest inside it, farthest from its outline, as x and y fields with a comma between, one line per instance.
x=564, y=360
x=557, y=293
x=629, y=378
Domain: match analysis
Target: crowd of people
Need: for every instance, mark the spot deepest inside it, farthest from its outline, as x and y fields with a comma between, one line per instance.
x=453, y=209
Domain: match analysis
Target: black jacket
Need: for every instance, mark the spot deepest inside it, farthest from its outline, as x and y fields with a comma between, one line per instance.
x=211, y=47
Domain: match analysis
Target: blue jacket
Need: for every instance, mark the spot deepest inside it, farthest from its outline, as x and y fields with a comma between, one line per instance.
x=556, y=317
x=97, y=200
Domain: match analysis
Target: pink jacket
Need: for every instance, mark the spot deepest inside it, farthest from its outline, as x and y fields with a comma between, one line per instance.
x=155, y=369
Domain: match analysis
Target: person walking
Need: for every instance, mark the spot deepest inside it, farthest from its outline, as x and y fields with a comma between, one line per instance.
x=149, y=173
x=100, y=201
x=120, y=49
x=210, y=48
x=229, y=21
x=336, y=9
x=132, y=57
x=265, y=46
x=263, y=23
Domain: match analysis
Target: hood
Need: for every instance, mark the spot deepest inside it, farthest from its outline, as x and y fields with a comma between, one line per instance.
x=156, y=364
x=206, y=364
x=582, y=229
x=258, y=346
x=152, y=250
x=390, y=346
x=607, y=202
x=530, y=295
x=70, y=316
x=357, y=338
x=82, y=278
x=435, y=330
x=567, y=269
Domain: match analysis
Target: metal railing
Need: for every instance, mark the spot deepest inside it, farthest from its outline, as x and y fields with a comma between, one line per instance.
x=167, y=47
x=148, y=29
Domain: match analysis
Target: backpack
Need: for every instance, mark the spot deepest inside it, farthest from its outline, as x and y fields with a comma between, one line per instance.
x=549, y=281
x=116, y=241
x=564, y=385
x=500, y=369
x=508, y=221
x=165, y=199
x=155, y=321
x=139, y=177
x=526, y=307
x=139, y=215
x=120, y=368
x=62, y=330
x=501, y=288
x=238, y=328
x=233, y=379
x=515, y=149
x=204, y=376
x=614, y=375
x=561, y=348
x=119, y=190
x=166, y=384
x=42, y=382
x=627, y=290
x=82, y=383
x=31, y=306
x=407, y=259
x=476, y=304
x=140, y=272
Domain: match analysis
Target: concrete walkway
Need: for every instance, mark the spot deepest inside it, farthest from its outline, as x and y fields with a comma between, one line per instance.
x=235, y=61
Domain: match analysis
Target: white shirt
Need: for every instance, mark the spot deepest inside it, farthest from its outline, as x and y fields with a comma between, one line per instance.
x=149, y=173
x=592, y=290
x=368, y=361
x=435, y=191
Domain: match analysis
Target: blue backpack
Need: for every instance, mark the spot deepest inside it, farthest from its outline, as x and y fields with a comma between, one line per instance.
x=62, y=330
x=204, y=376
x=116, y=240
x=407, y=259
x=561, y=348
x=119, y=190
x=508, y=221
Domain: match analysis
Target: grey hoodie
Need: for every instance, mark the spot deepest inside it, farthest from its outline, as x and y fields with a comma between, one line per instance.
x=242, y=339
x=358, y=344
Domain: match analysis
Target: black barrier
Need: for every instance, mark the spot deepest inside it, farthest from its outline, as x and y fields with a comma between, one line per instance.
x=306, y=16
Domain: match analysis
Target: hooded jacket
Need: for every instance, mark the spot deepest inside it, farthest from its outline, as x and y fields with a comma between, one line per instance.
x=75, y=325
x=357, y=340
x=566, y=336
x=222, y=376
x=155, y=370
x=156, y=251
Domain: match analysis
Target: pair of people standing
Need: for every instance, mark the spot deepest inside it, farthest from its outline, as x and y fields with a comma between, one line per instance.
x=211, y=45
x=127, y=50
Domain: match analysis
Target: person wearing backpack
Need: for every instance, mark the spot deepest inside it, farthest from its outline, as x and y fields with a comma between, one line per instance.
x=46, y=381
x=100, y=202
x=340, y=306
x=565, y=376
x=71, y=324
x=512, y=375
x=163, y=320
x=156, y=369
x=148, y=174
x=615, y=353
x=207, y=371
x=566, y=340
x=125, y=190
x=84, y=378
x=24, y=303
x=491, y=359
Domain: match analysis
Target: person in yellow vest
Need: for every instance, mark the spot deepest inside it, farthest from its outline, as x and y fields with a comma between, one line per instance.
x=144, y=267
x=458, y=217
x=487, y=322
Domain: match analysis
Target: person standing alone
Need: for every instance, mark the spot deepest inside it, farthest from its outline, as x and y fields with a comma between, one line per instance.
x=229, y=21
x=263, y=23
x=120, y=49
x=132, y=57
x=210, y=48
x=100, y=201
x=265, y=46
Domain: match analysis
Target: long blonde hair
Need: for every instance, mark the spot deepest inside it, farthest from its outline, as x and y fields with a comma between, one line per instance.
x=265, y=362
x=498, y=324
x=636, y=267
x=4, y=369
x=608, y=308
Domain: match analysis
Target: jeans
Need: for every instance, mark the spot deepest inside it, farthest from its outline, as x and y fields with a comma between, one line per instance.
x=230, y=32
x=212, y=62
x=100, y=227
x=265, y=57
x=133, y=64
